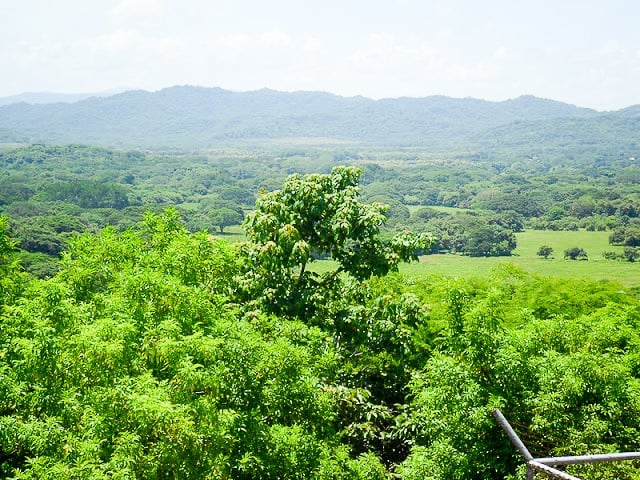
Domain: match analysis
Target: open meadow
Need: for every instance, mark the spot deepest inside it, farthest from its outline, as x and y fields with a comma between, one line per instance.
x=525, y=257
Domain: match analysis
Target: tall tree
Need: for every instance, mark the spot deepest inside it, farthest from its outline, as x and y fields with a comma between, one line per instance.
x=316, y=215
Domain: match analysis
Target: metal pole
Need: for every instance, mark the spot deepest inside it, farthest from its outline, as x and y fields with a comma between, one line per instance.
x=541, y=467
x=513, y=436
x=531, y=473
x=543, y=464
x=600, y=457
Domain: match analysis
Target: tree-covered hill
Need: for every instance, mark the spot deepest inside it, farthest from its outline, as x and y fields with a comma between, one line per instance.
x=612, y=135
x=204, y=117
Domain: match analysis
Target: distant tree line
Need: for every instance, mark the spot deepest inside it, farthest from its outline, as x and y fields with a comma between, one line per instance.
x=52, y=192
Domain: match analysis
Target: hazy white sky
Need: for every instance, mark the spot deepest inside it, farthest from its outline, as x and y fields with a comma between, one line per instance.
x=583, y=52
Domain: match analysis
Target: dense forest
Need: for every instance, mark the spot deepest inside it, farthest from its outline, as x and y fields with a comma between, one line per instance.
x=217, y=305
x=52, y=192
x=154, y=352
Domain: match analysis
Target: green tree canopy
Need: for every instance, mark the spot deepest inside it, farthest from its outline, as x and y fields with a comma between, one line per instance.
x=545, y=251
x=319, y=214
x=575, y=253
x=11, y=277
x=224, y=216
x=490, y=241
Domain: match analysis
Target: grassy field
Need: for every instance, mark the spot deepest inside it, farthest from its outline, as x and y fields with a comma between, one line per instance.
x=525, y=257
x=232, y=234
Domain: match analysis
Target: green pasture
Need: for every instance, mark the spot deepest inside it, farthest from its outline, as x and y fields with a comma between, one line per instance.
x=525, y=257
x=232, y=234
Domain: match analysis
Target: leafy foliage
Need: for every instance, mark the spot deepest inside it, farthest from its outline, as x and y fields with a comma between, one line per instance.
x=567, y=392
x=545, y=251
x=158, y=353
x=131, y=362
x=11, y=278
x=224, y=214
x=575, y=253
x=311, y=216
x=627, y=236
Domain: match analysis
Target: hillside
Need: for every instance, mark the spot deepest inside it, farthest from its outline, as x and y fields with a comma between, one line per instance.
x=205, y=117
x=582, y=141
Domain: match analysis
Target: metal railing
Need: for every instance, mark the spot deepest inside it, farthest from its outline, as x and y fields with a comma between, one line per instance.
x=546, y=464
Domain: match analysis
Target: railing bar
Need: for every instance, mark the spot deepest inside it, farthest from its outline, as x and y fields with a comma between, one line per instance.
x=513, y=436
x=541, y=467
x=544, y=464
x=595, y=458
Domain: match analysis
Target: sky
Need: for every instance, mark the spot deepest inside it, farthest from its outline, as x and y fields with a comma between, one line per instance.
x=585, y=53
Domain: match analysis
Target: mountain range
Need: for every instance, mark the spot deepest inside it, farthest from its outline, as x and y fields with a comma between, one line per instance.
x=197, y=117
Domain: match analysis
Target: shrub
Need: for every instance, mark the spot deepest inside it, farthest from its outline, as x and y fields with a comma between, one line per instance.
x=575, y=253
x=545, y=251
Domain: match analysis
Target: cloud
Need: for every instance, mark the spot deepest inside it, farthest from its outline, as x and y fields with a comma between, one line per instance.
x=118, y=40
x=635, y=62
x=312, y=45
x=134, y=8
x=118, y=45
x=503, y=54
x=385, y=51
x=238, y=40
x=127, y=41
x=276, y=38
x=382, y=40
x=610, y=49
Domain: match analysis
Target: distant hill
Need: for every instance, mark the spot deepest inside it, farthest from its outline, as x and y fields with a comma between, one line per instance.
x=195, y=117
x=593, y=140
x=38, y=98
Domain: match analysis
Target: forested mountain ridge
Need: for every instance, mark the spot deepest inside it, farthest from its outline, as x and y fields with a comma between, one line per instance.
x=203, y=117
x=611, y=133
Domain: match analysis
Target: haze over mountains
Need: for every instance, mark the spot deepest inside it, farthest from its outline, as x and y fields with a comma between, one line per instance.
x=53, y=97
x=197, y=117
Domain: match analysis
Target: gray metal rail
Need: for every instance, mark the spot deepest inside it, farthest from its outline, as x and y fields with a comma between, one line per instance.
x=533, y=466
x=597, y=458
x=545, y=464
